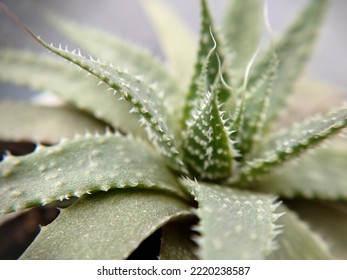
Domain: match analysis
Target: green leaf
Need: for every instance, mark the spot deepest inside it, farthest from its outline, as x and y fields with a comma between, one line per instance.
x=138, y=94
x=298, y=242
x=208, y=150
x=176, y=39
x=293, y=50
x=30, y=122
x=45, y=73
x=125, y=55
x=256, y=106
x=329, y=219
x=176, y=242
x=83, y=165
x=105, y=225
x=207, y=66
x=320, y=174
x=241, y=30
x=233, y=224
x=294, y=141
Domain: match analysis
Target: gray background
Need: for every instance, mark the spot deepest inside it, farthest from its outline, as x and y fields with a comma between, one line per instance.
x=126, y=19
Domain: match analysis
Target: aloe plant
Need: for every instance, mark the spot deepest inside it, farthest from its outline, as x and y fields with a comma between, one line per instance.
x=204, y=161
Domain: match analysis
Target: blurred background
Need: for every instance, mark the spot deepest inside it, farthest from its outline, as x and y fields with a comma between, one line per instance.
x=127, y=19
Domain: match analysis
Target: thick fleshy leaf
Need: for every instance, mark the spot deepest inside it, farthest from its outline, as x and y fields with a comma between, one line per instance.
x=19, y=230
x=124, y=55
x=320, y=174
x=142, y=97
x=293, y=50
x=177, y=243
x=207, y=66
x=298, y=242
x=233, y=224
x=30, y=122
x=294, y=141
x=208, y=150
x=176, y=38
x=105, y=225
x=241, y=28
x=329, y=219
x=45, y=73
x=256, y=106
x=83, y=165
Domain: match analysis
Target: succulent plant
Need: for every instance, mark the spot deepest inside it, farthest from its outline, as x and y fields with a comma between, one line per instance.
x=202, y=156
